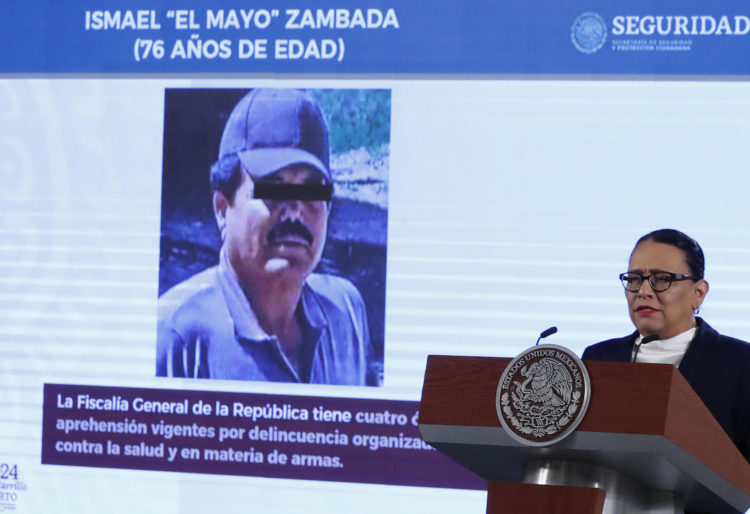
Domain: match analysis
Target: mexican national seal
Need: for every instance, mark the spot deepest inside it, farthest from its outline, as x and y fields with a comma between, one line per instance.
x=589, y=32
x=543, y=395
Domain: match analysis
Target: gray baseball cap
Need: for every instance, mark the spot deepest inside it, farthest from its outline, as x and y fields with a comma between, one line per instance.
x=270, y=129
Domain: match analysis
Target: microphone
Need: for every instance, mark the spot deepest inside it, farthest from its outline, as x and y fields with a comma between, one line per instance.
x=548, y=332
x=648, y=339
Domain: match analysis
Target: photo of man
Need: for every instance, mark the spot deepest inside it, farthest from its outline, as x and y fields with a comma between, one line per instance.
x=267, y=310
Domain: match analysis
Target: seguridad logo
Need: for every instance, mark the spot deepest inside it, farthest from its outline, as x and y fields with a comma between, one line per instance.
x=702, y=25
x=653, y=32
x=588, y=33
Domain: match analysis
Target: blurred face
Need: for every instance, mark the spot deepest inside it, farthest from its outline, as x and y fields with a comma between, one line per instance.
x=669, y=312
x=263, y=237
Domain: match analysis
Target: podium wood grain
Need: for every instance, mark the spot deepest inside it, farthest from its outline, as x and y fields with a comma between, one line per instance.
x=509, y=498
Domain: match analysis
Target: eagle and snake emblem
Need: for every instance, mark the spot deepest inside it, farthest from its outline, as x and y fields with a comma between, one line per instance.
x=541, y=399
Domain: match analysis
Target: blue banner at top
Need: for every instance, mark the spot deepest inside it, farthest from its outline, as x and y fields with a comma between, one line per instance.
x=376, y=37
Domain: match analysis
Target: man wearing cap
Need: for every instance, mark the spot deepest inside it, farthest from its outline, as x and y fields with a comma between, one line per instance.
x=261, y=313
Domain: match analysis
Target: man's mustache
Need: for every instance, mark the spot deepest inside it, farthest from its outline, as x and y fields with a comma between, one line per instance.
x=289, y=227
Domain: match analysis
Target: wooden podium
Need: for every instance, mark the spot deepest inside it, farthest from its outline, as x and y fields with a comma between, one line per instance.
x=646, y=444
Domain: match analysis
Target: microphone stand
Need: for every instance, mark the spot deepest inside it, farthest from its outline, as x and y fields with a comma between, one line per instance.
x=548, y=332
x=648, y=339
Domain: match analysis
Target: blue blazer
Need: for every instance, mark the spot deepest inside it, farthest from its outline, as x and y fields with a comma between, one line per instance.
x=716, y=366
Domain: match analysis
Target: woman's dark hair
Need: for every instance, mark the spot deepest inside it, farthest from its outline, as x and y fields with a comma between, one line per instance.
x=689, y=246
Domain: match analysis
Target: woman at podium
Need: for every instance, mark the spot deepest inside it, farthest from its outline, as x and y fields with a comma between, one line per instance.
x=664, y=288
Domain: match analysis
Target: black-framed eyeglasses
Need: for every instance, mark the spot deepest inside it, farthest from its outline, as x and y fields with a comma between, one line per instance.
x=659, y=280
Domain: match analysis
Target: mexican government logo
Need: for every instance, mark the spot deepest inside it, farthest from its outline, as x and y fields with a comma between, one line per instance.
x=589, y=32
x=543, y=395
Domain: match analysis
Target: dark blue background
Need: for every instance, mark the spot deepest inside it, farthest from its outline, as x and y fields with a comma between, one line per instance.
x=444, y=36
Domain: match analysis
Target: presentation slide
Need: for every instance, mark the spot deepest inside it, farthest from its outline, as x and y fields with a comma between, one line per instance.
x=231, y=234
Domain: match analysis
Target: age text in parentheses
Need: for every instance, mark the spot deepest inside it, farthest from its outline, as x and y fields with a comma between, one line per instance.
x=148, y=48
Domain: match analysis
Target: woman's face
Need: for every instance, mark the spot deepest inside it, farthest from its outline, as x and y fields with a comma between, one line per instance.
x=669, y=312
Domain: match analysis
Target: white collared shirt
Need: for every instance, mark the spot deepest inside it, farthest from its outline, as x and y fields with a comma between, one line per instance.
x=665, y=351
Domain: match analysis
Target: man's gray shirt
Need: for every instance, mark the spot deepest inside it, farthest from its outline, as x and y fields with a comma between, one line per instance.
x=207, y=329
